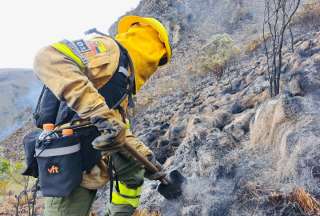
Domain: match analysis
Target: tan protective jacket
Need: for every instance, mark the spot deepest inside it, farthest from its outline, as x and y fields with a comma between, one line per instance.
x=78, y=87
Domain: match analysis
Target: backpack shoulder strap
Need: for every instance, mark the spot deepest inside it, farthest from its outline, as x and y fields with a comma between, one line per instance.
x=46, y=109
x=132, y=77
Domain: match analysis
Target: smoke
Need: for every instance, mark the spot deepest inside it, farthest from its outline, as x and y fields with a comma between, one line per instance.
x=19, y=91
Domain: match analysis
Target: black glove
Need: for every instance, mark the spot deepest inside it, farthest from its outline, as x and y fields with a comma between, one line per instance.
x=112, y=135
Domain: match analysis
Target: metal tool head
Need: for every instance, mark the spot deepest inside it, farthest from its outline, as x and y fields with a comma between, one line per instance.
x=173, y=189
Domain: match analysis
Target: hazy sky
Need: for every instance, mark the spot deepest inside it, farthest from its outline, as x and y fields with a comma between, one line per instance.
x=28, y=25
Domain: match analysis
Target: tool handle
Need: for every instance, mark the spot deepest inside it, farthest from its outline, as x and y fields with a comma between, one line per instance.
x=148, y=165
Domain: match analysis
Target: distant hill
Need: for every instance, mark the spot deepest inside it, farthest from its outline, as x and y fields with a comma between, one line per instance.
x=19, y=89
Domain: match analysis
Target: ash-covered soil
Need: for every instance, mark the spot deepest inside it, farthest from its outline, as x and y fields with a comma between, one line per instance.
x=236, y=146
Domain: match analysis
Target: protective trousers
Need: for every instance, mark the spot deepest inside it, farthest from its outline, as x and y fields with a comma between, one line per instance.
x=125, y=196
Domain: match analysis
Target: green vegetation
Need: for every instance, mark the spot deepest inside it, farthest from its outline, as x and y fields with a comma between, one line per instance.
x=218, y=54
x=10, y=176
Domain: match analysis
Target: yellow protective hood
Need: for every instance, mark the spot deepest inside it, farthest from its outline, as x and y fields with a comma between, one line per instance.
x=145, y=49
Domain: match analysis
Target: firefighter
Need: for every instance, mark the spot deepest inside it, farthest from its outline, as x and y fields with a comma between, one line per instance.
x=77, y=73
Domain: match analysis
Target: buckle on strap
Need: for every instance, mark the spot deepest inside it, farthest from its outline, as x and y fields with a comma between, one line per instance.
x=124, y=71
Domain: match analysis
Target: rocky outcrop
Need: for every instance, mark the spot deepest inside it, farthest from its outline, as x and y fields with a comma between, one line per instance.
x=235, y=145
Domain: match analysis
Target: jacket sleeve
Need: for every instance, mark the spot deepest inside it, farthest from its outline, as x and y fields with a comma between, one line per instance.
x=68, y=83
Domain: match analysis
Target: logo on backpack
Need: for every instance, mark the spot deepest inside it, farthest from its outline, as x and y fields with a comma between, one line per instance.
x=54, y=169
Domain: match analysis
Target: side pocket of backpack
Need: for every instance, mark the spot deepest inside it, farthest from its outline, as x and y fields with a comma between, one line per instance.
x=29, y=144
x=60, y=166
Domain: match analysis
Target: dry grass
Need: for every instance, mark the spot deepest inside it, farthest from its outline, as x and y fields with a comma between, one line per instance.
x=308, y=15
x=163, y=87
x=307, y=203
x=9, y=204
x=144, y=212
x=255, y=44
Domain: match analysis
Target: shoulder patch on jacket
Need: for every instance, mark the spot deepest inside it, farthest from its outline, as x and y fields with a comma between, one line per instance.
x=81, y=45
x=90, y=48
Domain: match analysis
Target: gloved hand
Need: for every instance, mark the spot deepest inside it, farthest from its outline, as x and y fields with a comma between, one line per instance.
x=112, y=135
x=157, y=175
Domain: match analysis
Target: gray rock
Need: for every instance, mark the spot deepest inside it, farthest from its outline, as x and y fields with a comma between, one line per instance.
x=220, y=119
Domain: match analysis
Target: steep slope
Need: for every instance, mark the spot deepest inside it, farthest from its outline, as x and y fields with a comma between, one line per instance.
x=236, y=146
x=242, y=152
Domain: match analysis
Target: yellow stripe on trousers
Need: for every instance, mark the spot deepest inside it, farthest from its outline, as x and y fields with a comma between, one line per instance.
x=126, y=196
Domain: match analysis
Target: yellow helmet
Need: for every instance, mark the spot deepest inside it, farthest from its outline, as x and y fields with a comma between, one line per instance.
x=127, y=21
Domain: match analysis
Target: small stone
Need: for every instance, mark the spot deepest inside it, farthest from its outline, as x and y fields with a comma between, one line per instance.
x=316, y=58
x=294, y=87
x=150, y=137
x=303, y=49
x=316, y=172
x=176, y=131
x=164, y=142
x=305, y=45
x=164, y=126
x=236, y=108
x=196, y=120
x=220, y=119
